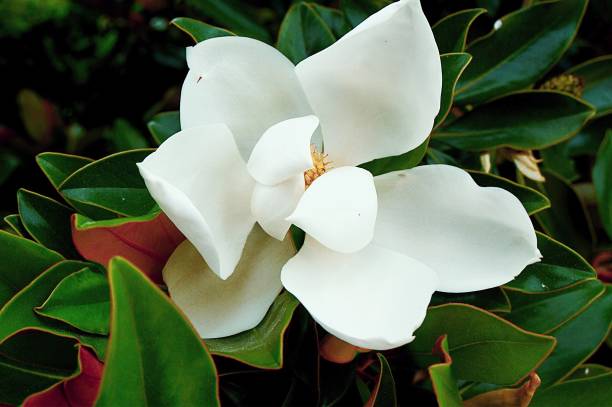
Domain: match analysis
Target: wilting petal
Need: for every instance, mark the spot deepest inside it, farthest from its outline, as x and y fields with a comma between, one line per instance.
x=375, y=298
x=283, y=151
x=474, y=238
x=219, y=308
x=339, y=209
x=272, y=204
x=244, y=83
x=201, y=183
x=377, y=90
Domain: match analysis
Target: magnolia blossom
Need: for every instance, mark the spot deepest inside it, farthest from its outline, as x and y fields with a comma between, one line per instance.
x=269, y=143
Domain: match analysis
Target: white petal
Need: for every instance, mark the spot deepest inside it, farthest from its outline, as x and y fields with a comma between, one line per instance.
x=283, y=151
x=200, y=181
x=473, y=237
x=339, y=209
x=375, y=298
x=219, y=308
x=272, y=204
x=377, y=90
x=244, y=83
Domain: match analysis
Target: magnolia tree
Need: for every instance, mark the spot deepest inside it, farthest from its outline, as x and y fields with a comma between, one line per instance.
x=358, y=215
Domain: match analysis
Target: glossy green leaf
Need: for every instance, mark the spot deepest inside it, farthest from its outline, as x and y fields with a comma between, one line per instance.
x=443, y=378
x=532, y=200
x=199, y=31
x=21, y=260
x=589, y=138
x=453, y=66
x=543, y=312
x=602, y=180
x=82, y=300
x=597, y=77
x=523, y=120
x=112, y=183
x=47, y=221
x=595, y=391
x=18, y=314
x=556, y=159
x=163, y=125
x=399, y=162
x=577, y=339
x=451, y=31
x=588, y=370
x=473, y=336
x=383, y=394
x=566, y=220
x=493, y=299
x=560, y=267
x=123, y=136
x=14, y=221
x=358, y=10
x=526, y=45
x=261, y=346
x=57, y=167
x=155, y=357
x=303, y=32
x=334, y=19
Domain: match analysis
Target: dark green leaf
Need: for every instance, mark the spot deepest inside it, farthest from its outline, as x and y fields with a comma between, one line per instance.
x=163, y=125
x=82, y=300
x=588, y=139
x=18, y=314
x=588, y=370
x=523, y=120
x=8, y=164
x=596, y=391
x=451, y=31
x=493, y=299
x=198, y=31
x=556, y=159
x=398, y=162
x=124, y=136
x=303, y=33
x=597, y=77
x=559, y=268
x=14, y=221
x=453, y=66
x=602, y=180
x=47, y=221
x=358, y=10
x=383, y=394
x=112, y=183
x=524, y=47
x=155, y=357
x=474, y=335
x=443, y=378
x=261, y=346
x=334, y=19
x=532, y=200
x=21, y=260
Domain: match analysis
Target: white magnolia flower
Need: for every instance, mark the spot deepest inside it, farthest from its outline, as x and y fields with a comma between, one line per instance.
x=376, y=248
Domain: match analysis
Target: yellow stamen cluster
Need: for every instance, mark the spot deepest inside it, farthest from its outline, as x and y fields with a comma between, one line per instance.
x=320, y=166
x=572, y=84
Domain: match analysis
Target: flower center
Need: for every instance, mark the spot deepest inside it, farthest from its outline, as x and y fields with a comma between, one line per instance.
x=320, y=166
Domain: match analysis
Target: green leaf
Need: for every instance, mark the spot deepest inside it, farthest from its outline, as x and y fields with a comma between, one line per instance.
x=577, y=339
x=597, y=77
x=453, y=66
x=493, y=299
x=47, y=221
x=124, y=136
x=588, y=370
x=556, y=159
x=38, y=115
x=566, y=220
x=383, y=394
x=543, y=312
x=532, y=200
x=334, y=19
x=596, y=391
x=163, y=125
x=443, y=378
x=18, y=314
x=523, y=121
x=82, y=300
x=303, y=32
x=198, y=31
x=155, y=357
x=8, y=164
x=589, y=138
x=358, y=10
x=261, y=346
x=559, y=268
x=14, y=221
x=451, y=31
x=602, y=180
x=474, y=335
x=524, y=47
x=399, y=162
x=112, y=183
x=21, y=260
